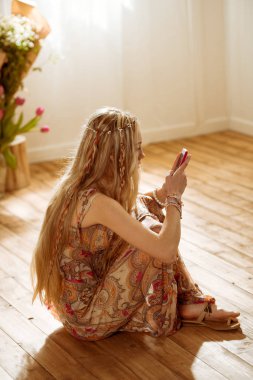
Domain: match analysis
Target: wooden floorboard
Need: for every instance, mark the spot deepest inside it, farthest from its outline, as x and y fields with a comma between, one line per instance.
x=216, y=245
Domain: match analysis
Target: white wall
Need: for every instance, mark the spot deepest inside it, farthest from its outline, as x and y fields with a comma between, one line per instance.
x=239, y=37
x=176, y=64
x=87, y=76
x=173, y=67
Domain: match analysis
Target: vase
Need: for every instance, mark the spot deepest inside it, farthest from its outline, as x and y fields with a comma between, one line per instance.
x=20, y=176
x=3, y=171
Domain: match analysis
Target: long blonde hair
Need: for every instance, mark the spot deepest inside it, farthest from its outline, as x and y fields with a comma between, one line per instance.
x=105, y=157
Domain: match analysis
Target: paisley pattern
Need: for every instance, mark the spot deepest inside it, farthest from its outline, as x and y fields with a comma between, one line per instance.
x=138, y=293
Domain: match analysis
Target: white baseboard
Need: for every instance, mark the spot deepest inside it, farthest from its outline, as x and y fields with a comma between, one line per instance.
x=177, y=131
x=241, y=125
x=165, y=133
x=50, y=152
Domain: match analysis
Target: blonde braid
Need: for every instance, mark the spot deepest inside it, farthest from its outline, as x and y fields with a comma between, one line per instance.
x=122, y=158
x=92, y=154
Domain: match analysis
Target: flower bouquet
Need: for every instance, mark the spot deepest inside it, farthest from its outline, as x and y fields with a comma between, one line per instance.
x=10, y=128
x=19, y=46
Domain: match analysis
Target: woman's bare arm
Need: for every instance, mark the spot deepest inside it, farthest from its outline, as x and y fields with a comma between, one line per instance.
x=163, y=246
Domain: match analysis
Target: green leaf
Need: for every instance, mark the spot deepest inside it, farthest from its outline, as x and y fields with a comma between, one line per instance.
x=28, y=126
x=9, y=130
x=20, y=119
x=10, y=159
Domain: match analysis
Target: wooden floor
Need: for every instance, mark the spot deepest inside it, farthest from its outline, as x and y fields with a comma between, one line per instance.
x=217, y=239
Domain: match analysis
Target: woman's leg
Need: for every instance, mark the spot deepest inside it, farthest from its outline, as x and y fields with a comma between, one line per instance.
x=188, y=290
x=137, y=289
x=175, y=281
x=190, y=297
x=138, y=293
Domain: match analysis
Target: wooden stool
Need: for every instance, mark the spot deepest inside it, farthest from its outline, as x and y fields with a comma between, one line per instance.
x=19, y=177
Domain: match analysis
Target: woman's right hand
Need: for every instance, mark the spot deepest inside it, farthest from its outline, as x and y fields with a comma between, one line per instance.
x=176, y=181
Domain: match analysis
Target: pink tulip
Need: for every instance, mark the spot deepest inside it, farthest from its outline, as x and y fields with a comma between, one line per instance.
x=45, y=128
x=1, y=90
x=39, y=111
x=19, y=101
x=1, y=114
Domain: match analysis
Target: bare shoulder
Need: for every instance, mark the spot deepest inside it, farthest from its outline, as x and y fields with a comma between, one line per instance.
x=108, y=212
x=99, y=203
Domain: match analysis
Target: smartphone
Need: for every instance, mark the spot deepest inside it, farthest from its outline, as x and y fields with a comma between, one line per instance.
x=182, y=157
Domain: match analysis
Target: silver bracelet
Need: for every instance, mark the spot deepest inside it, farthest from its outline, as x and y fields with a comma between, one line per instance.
x=157, y=200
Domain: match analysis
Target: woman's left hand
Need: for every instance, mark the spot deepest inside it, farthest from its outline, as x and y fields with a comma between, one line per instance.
x=161, y=193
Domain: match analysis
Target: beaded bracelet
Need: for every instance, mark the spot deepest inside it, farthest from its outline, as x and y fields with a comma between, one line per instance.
x=172, y=195
x=162, y=204
x=177, y=207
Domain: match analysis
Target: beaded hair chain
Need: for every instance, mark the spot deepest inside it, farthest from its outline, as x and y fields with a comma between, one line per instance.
x=129, y=125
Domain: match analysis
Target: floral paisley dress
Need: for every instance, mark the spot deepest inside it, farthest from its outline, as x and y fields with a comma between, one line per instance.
x=138, y=292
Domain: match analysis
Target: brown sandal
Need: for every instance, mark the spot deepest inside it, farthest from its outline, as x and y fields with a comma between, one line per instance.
x=215, y=325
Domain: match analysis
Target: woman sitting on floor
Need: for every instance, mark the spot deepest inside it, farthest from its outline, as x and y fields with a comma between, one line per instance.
x=107, y=258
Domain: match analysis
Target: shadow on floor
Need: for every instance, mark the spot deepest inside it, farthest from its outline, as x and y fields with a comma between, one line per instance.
x=130, y=356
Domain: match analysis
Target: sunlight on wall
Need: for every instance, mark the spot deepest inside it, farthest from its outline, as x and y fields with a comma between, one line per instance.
x=86, y=45
x=95, y=16
x=96, y=12
x=129, y=4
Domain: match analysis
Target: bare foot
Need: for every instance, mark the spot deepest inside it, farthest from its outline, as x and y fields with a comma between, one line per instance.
x=194, y=310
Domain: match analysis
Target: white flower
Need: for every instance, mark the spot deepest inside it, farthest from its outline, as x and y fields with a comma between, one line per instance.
x=17, y=31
